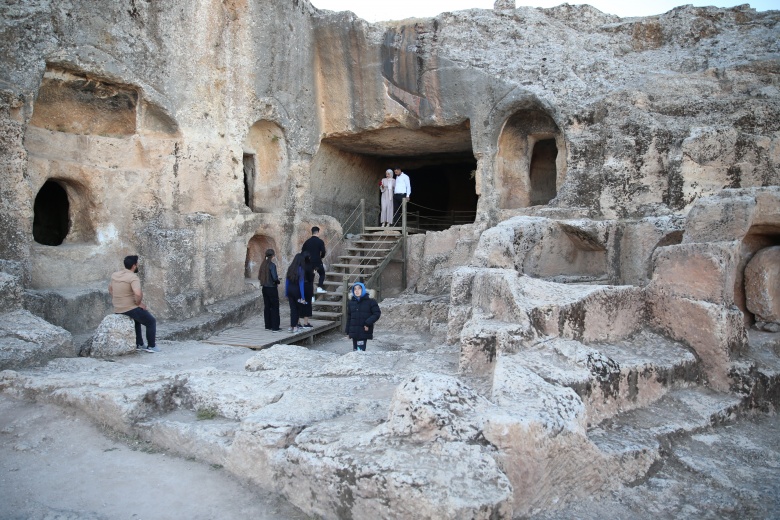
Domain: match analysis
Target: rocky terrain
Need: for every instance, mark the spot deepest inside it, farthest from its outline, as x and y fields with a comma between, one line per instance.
x=601, y=340
x=175, y=456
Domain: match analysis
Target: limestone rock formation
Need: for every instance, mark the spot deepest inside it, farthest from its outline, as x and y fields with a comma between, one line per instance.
x=762, y=287
x=114, y=336
x=11, y=289
x=27, y=340
x=594, y=207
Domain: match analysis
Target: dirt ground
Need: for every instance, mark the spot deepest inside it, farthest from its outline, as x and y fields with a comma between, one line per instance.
x=56, y=464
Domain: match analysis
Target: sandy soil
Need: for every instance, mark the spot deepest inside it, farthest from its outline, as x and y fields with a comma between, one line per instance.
x=57, y=465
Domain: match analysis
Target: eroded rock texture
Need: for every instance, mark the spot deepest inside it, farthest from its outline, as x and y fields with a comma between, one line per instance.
x=620, y=181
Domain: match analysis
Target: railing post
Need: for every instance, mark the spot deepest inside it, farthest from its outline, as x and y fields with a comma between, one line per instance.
x=403, y=243
x=344, y=301
x=362, y=216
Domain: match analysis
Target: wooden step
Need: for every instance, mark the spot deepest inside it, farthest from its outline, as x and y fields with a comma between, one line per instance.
x=325, y=315
x=352, y=267
x=383, y=240
x=361, y=257
x=342, y=274
x=376, y=250
x=327, y=303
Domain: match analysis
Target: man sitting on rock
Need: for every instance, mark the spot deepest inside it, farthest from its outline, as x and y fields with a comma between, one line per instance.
x=126, y=295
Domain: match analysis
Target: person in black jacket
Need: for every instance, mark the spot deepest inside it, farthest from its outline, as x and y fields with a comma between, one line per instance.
x=293, y=289
x=316, y=249
x=304, y=310
x=362, y=312
x=269, y=280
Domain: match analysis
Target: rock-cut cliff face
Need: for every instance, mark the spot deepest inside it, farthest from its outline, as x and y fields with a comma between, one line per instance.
x=200, y=133
x=641, y=116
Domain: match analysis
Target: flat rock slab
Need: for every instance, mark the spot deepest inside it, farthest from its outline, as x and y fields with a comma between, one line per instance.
x=27, y=340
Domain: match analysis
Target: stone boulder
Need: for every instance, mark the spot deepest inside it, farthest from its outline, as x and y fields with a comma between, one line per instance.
x=115, y=336
x=433, y=406
x=27, y=340
x=762, y=288
x=504, y=5
x=11, y=289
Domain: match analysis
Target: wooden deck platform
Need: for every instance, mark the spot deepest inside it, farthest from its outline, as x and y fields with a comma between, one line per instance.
x=257, y=337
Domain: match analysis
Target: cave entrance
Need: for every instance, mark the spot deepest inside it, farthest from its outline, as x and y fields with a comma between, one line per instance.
x=439, y=161
x=443, y=193
x=249, y=180
x=543, y=173
x=255, y=253
x=51, y=220
x=530, y=164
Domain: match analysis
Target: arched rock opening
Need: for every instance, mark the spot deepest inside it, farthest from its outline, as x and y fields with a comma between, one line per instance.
x=439, y=160
x=530, y=163
x=265, y=167
x=62, y=209
x=255, y=253
x=51, y=220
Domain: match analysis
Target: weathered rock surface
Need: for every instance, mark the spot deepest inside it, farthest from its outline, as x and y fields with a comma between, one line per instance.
x=229, y=135
x=27, y=340
x=115, y=336
x=762, y=286
x=11, y=289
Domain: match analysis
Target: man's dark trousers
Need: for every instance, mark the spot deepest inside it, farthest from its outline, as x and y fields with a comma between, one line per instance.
x=143, y=317
x=398, y=199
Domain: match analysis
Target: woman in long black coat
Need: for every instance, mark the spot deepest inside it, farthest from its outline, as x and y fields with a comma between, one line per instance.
x=362, y=312
x=269, y=279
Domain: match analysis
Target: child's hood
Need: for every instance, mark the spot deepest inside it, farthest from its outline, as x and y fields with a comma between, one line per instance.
x=365, y=292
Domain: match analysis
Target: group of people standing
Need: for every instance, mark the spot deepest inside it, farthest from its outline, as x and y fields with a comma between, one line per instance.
x=298, y=284
x=394, y=191
x=362, y=310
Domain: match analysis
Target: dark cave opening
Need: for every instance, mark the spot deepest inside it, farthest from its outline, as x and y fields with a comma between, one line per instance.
x=443, y=192
x=51, y=220
x=543, y=173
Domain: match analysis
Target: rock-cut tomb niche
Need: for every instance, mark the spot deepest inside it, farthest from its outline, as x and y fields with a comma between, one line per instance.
x=265, y=167
x=82, y=144
x=531, y=160
x=757, y=285
x=255, y=253
x=439, y=160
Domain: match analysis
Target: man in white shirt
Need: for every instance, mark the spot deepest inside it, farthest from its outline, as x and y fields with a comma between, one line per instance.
x=403, y=190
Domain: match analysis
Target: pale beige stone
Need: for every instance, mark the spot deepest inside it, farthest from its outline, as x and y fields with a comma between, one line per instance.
x=114, y=336
x=705, y=272
x=762, y=285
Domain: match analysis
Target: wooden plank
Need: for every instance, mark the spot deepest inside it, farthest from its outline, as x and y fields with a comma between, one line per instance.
x=256, y=337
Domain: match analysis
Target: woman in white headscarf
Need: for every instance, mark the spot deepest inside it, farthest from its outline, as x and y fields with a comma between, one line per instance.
x=386, y=186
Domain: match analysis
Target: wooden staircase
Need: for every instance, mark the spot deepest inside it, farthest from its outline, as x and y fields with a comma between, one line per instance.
x=364, y=261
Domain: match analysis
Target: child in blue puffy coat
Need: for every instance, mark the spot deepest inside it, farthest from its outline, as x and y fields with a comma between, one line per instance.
x=362, y=312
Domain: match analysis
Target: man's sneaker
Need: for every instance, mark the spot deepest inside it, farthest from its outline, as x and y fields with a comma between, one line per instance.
x=152, y=349
x=140, y=347
x=320, y=290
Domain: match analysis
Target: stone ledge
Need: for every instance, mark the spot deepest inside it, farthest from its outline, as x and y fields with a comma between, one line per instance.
x=218, y=316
